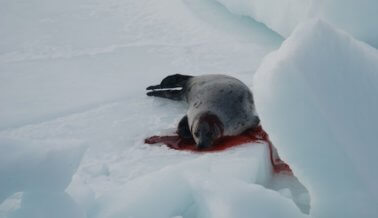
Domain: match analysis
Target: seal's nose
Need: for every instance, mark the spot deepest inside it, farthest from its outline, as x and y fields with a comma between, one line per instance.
x=204, y=144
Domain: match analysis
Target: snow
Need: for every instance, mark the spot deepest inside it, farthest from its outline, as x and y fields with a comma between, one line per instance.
x=74, y=74
x=204, y=186
x=41, y=172
x=64, y=58
x=316, y=96
x=280, y=16
x=359, y=18
x=74, y=113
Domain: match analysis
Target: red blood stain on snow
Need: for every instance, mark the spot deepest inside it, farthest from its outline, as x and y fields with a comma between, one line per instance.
x=257, y=135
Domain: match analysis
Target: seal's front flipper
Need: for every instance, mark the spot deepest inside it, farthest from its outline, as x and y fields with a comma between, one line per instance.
x=182, y=141
x=183, y=129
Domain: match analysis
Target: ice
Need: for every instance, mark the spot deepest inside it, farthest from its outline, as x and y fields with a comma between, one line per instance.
x=120, y=176
x=359, y=18
x=27, y=166
x=281, y=16
x=47, y=205
x=41, y=171
x=317, y=97
x=205, y=186
x=69, y=57
x=74, y=113
x=76, y=71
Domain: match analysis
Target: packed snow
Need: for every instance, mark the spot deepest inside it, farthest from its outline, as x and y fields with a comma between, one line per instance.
x=74, y=114
x=317, y=97
x=41, y=171
x=359, y=18
x=64, y=58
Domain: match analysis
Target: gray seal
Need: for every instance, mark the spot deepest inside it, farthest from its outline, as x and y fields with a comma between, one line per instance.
x=219, y=105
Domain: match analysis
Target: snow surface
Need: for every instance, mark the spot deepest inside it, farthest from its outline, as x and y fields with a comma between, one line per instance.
x=359, y=18
x=74, y=114
x=72, y=80
x=58, y=58
x=317, y=97
x=41, y=171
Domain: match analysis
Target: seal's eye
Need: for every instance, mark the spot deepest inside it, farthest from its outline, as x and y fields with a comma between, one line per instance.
x=196, y=134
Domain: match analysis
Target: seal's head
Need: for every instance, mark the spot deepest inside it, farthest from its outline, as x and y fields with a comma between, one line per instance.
x=206, y=130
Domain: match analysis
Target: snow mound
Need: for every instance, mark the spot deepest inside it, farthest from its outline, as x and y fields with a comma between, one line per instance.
x=41, y=171
x=281, y=16
x=317, y=98
x=214, y=185
x=359, y=18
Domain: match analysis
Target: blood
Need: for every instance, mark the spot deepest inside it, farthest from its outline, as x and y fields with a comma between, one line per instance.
x=256, y=135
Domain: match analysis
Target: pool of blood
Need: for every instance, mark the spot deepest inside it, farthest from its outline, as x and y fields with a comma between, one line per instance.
x=256, y=135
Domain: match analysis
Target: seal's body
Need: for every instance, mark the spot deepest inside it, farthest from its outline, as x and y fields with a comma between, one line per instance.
x=223, y=96
x=219, y=105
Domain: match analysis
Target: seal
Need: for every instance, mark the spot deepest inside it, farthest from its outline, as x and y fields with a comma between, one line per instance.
x=218, y=106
